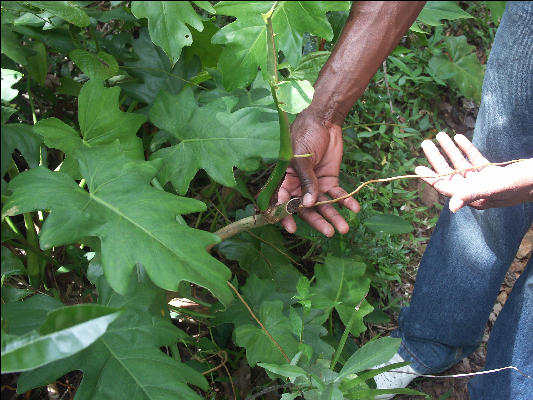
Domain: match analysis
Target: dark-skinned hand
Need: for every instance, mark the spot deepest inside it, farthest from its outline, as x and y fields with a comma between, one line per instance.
x=316, y=177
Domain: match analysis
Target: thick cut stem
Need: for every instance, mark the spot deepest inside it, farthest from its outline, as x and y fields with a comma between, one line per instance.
x=264, y=199
x=272, y=216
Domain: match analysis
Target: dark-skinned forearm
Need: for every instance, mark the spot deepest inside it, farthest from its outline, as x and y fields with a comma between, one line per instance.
x=372, y=31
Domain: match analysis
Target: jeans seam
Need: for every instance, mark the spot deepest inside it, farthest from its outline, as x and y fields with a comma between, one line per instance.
x=411, y=354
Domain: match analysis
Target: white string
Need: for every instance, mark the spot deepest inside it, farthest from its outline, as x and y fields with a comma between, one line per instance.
x=490, y=371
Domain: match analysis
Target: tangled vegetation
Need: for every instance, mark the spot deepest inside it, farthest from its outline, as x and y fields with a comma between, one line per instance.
x=133, y=132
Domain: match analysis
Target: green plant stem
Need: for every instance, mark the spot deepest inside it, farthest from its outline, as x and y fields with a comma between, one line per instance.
x=272, y=216
x=21, y=242
x=35, y=271
x=345, y=334
x=373, y=124
x=272, y=185
x=264, y=199
x=33, y=264
x=12, y=225
x=174, y=351
x=155, y=183
x=132, y=106
x=30, y=98
x=93, y=37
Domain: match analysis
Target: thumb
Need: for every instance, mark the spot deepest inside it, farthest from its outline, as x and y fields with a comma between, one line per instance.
x=462, y=198
x=308, y=180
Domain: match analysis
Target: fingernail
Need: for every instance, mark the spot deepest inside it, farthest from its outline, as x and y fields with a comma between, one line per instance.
x=308, y=200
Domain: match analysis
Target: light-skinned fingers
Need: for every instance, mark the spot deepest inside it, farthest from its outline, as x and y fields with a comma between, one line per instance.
x=317, y=221
x=466, y=194
x=435, y=158
x=453, y=152
x=473, y=154
x=441, y=184
x=350, y=203
x=332, y=215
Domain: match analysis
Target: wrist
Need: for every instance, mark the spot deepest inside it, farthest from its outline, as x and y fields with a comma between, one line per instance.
x=329, y=115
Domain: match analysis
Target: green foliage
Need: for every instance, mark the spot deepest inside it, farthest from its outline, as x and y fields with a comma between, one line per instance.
x=118, y=189
x=294, y=96
x=66, y=10
x=374, y=353
x=388, y=223
x=126, y=360
x=37, y=64
x=99, y=67
x=341, y=284
x=167, y=23
x=259, y=346
x=459, y=64
x=22, y=138
x=435, y=11
x=245, y=39
x=238, y=138
x=65, y=332
x=9, y=78
x=133, y=110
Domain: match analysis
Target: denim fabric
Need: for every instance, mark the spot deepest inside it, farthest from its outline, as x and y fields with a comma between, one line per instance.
x=470, y=251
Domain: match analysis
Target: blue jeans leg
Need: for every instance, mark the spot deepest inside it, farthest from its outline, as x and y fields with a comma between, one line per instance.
x=470, y=251
x=510, y=343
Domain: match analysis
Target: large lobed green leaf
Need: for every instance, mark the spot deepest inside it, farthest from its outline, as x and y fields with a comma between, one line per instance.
x=167, y=23
x=212, y=137
x=460, y=66
x=245, y=39
x=101, y=122
x=135, y=222
x=152, y=71
x=126, y=362
x=259, y=347
x=341, y=284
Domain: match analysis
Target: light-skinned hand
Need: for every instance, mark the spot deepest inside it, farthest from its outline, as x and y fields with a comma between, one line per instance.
x=481, y=188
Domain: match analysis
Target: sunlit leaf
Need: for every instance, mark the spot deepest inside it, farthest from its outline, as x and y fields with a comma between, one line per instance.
x=245, y=39
x=135, y=222
x=230, y=139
